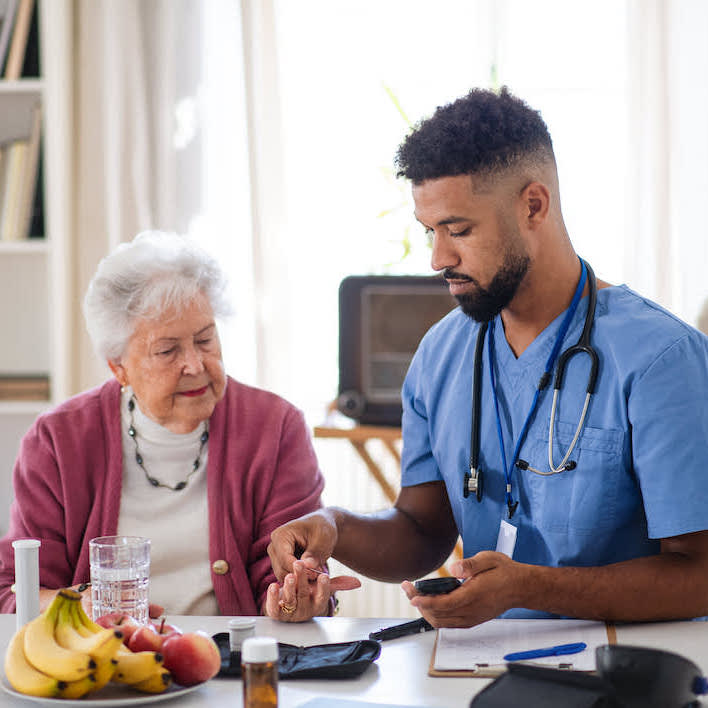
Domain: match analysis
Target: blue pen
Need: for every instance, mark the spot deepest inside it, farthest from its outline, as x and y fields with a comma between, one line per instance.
x=559, y=650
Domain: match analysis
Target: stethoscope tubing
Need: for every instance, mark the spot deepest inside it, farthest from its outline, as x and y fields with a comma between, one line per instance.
x=583, y=346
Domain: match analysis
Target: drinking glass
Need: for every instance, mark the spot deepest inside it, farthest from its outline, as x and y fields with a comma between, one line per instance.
x=120, y=573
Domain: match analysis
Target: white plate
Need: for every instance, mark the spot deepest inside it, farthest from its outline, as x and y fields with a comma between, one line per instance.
x=113, y=694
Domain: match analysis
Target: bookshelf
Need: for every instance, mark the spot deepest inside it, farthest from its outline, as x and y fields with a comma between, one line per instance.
x=34, y=276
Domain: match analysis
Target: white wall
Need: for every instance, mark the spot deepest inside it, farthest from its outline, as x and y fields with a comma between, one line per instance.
x=12, y=429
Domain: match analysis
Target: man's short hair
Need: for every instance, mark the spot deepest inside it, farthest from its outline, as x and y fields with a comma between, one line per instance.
x=481, y=133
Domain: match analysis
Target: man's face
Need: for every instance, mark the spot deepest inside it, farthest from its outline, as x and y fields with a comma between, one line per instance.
x=476, y=242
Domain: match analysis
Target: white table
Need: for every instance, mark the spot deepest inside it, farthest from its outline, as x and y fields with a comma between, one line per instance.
x=398, y=676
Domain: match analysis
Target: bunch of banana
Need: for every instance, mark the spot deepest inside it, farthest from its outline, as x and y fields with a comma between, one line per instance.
x=63, y=654
x=38, y=664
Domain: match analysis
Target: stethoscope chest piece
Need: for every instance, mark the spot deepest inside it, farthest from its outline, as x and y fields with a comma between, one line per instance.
x=473, y=484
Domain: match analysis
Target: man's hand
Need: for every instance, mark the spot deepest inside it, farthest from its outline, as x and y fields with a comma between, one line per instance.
x=312, y=537
x=669, y=585
x=490, y=581
x=304, y=594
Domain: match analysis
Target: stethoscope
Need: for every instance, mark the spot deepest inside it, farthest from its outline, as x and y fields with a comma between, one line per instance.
x=473, y=481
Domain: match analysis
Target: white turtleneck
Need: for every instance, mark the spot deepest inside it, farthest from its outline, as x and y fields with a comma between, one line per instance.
x=176, y=522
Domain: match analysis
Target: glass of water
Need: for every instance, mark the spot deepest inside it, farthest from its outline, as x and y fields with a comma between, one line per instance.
x=120, y=574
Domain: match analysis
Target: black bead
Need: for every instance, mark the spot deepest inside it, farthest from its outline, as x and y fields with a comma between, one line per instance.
x=139, y=459
x=153, y=481
x=131, y=405
x=131, y=431
x=205, y=436
x=180, y=486
x=196, y=464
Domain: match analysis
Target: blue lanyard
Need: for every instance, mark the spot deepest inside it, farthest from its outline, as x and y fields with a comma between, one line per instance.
x=543, y=382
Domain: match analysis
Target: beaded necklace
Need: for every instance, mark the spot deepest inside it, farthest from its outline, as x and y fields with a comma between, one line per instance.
x=139, y=458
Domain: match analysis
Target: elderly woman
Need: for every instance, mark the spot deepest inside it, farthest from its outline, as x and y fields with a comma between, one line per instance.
x=171, y=448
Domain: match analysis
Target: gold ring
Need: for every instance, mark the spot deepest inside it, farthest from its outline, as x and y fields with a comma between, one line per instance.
x=287, y=609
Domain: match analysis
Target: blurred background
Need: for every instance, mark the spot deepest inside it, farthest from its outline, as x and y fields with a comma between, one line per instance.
x=266, y=129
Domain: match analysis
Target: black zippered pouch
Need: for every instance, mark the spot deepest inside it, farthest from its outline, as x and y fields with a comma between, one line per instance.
x=327, y=661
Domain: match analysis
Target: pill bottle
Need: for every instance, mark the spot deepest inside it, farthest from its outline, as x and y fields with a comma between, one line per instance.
x=259, y=672
x=240, y=629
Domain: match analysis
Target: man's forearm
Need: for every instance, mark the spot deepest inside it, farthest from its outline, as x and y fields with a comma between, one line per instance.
x=387, y=546
x=661, y=587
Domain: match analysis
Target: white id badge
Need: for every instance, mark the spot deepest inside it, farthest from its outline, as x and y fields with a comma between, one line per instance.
x=506, y=541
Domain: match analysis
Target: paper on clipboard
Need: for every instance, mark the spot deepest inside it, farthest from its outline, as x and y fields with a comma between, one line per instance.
x=480, y=650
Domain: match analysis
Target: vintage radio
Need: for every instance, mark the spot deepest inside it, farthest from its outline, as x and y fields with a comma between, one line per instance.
x=382, y=319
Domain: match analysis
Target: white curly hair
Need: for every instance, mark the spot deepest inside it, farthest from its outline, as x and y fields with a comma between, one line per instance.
x=154, y=272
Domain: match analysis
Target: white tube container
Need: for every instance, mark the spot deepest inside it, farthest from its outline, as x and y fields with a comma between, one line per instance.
x=26, y=579
x=240, y=629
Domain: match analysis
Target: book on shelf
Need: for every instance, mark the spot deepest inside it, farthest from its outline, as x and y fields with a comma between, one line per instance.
x=14, y=161
x=19, y=167
x=29, y=176
x=31, y=63
x=3, y=163
x=8, y=8
x=34, y=387
x=18, y=42
x=36, y=229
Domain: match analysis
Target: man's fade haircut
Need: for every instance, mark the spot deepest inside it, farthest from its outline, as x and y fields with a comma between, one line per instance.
x=481, y=133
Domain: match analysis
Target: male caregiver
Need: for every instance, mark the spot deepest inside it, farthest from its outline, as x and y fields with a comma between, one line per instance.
x=554, y=421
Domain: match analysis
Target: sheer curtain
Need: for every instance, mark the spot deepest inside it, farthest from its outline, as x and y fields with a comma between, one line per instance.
x=114, y=188
x=267, y=130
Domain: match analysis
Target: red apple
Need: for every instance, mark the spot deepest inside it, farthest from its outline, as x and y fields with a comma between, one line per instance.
x=151, y=636
x=145, y=638
x=125, y=624
x=163, y=627
x=192, y=657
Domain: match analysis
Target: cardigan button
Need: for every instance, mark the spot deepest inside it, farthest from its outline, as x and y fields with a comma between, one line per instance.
x=220, y=567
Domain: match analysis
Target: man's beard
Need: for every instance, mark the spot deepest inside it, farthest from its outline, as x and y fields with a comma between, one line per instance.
x=484, y=304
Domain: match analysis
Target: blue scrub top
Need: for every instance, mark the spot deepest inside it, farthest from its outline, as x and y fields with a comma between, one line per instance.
x=642, y=457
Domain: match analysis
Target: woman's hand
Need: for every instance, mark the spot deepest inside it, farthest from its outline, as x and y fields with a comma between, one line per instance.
x=305, y=593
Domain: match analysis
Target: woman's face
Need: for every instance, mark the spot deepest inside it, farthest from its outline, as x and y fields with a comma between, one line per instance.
x=174, y=366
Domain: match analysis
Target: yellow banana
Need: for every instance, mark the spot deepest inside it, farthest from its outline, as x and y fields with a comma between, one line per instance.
x=84, y=625
x=104, y=672
x=97, y=646
x=108, y=642
x=23, y=677
x=44, y=653
x=127, y=667
x=107, y=662
x=133, y=667
x=78, y=689
x=158, y=682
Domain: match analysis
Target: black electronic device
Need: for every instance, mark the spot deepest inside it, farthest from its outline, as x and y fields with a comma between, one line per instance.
x=382, y=319
x=627, y=677
x=643, y=677
x=437, y=586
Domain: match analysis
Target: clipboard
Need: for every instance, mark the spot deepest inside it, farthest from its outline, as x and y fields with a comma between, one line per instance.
x=485, y=670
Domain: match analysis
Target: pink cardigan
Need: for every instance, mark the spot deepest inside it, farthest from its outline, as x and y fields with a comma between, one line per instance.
x=262, y=471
